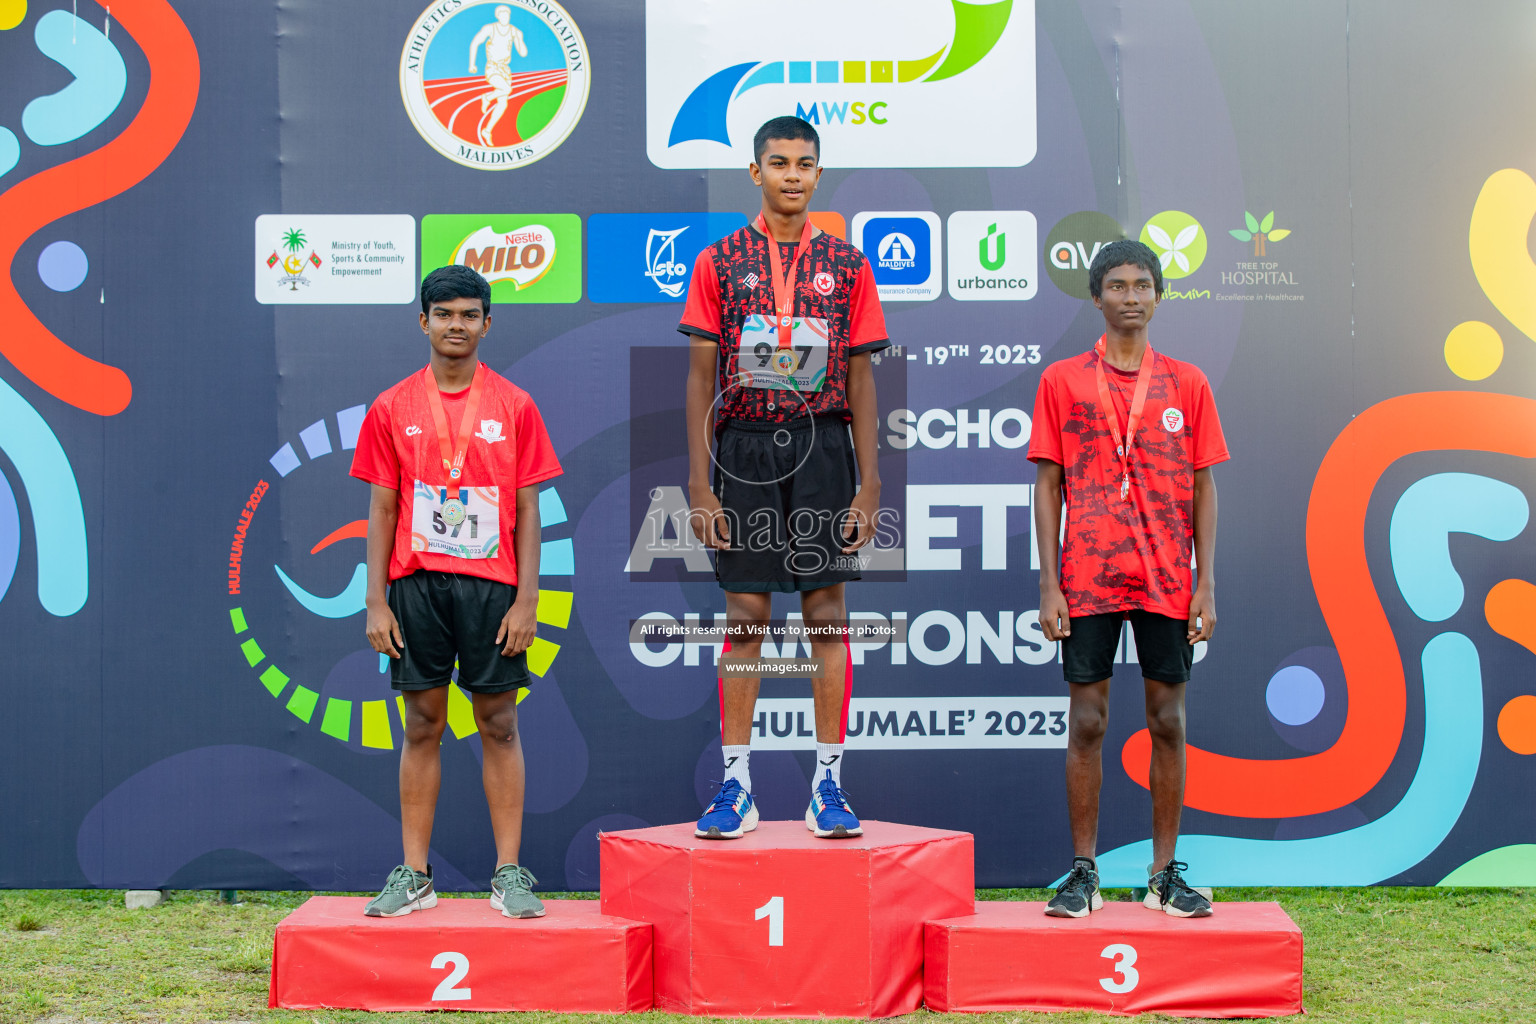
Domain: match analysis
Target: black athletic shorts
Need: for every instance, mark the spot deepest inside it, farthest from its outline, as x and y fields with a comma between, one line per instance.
x=1162, y=647
x=446, y=615
x=784, y=488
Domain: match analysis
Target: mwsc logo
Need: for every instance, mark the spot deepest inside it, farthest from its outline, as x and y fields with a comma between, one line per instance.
x=872, y=82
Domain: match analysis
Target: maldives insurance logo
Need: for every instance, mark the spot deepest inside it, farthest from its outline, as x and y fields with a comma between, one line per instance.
x=495, y=85
x=888, y=83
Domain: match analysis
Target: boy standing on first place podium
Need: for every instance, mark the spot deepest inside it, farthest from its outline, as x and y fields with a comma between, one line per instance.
x=783, y=318
x=455, y=454
x=1126, y=438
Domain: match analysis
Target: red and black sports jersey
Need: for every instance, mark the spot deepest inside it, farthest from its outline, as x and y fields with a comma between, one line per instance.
x=732, y=280
x=1121, y=554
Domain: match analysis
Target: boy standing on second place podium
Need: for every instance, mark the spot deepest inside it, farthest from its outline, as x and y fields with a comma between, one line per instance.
x=783, y=318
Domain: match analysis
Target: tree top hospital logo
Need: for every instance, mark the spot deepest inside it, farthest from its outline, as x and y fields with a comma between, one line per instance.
x=888, y=83
x=495, y=85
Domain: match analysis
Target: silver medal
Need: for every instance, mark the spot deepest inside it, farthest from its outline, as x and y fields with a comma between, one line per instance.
x=453, y=512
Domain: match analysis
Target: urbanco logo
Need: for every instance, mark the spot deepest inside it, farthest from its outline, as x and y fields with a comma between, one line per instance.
x=495, y=85
x=903, y=253
x=887, y=83
x=1179, y=241
x=526, y=258
x=1071, y=246
x=992, y=254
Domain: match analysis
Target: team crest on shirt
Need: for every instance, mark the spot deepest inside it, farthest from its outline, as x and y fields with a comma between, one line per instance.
x=823, y=283
x=1173, y=420
x=490, y=431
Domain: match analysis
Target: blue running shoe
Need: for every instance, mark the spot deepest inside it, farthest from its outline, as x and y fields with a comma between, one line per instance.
x=829, y=815
x=730, y=816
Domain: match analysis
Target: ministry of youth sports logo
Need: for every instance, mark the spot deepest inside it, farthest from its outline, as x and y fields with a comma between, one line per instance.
x=495, y=85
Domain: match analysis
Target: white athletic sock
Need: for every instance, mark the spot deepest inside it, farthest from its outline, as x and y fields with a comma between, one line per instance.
x=736, y=766
x=829, y=757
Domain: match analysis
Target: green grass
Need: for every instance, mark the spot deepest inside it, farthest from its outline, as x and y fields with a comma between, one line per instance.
x=1372, y=955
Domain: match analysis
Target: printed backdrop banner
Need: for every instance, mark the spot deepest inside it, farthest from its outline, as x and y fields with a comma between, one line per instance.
x=215, y=218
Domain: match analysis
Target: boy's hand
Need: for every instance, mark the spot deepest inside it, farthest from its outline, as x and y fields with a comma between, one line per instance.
x=383, y=630
x=859, y=521
x=1055, y=617
x=517, y=628
x=1202, y=615
x=709, y=525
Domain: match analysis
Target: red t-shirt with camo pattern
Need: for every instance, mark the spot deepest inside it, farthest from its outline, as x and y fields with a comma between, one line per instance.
x=733, y=280
x=1121, y=555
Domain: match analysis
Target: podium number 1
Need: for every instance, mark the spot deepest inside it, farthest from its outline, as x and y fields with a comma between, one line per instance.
x=773, y=910
x=1125, y=975
x=447, y=990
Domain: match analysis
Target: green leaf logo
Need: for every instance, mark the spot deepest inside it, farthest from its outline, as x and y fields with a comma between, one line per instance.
x=1259, y=232
x=1178, y=240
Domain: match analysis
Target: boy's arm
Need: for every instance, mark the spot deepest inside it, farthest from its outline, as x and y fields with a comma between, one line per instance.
x=1202, y=606
x=520, y=623
x=383, y=513
x=1055, y=618
x=860, y=523
x=703, y=354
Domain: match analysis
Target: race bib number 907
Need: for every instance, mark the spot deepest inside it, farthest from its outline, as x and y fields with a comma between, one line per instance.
x=761, y=363
x=460, y=522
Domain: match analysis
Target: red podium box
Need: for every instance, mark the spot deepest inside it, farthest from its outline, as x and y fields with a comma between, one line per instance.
x=460, y=955
x=1243, y=961
x=781, y=924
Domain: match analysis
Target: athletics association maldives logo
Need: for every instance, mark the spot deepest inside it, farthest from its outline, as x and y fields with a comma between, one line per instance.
x=495, y=85
x=301, y=636
x=888, y=83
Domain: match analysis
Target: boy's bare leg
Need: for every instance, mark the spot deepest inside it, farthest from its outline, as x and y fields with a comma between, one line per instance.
x=1087, y=716
x=421, y=770
x=746, y=618
x=502, y=770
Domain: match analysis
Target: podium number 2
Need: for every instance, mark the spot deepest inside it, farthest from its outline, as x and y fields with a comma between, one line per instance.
x=1125, y=975
x=447, y=990
x=773, y=910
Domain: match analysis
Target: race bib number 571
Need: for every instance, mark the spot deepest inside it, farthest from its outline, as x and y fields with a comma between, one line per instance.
x=460, y=522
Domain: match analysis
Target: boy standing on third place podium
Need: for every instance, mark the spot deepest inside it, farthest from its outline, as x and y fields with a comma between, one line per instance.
x=783, y=318
x=1126, y=438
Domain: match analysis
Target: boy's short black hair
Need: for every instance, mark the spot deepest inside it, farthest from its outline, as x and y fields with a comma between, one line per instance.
x=787, y=127
x=455, y=281
x=1124, y=253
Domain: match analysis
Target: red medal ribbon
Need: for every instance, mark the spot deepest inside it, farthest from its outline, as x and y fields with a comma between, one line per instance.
x=453, y=456
x=784, y=280
x=1138, y=404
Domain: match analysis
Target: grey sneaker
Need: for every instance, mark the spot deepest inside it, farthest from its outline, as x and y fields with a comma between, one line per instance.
x=1167, y=891
x=1078, y=893
x=406, y=890
x=512, y=892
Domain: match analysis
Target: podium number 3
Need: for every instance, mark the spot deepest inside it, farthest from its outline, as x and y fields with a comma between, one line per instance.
x=773, y=910
x=1125, y=977
x=447, y=990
